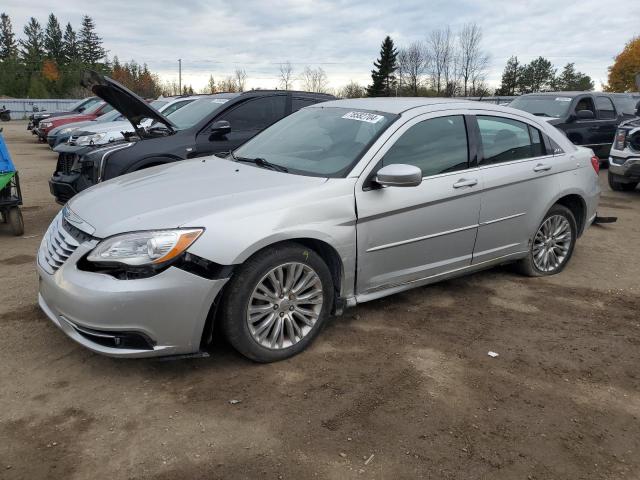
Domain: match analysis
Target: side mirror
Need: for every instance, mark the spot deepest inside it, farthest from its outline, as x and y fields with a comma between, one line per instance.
x=81, y=109
x=585, y=115
x=399, y=175
x=220, y=128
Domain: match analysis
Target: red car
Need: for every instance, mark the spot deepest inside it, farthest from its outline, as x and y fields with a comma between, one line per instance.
x=91, y=113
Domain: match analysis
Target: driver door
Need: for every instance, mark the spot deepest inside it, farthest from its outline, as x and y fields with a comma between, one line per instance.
x=409, y=234
x=247, y=120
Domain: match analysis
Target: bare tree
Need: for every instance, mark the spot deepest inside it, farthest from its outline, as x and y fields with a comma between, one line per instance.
x=286, y=76
x=412, y=64
x=352, y=90
x=228, y=85
x=472, y=60
x=241, y=79
x=314, y=80
x=441, y=51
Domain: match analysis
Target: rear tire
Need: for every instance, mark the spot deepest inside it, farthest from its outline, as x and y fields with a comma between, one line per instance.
x=268, y=311
x=620, y=186
x=552, y=245
x=15, y=221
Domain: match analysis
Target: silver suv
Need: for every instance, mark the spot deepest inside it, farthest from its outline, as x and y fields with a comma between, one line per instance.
x=338, y=204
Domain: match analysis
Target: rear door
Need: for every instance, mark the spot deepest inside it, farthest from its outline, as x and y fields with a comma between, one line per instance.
x=514, y=166
x=409, y=234
x=246, y=119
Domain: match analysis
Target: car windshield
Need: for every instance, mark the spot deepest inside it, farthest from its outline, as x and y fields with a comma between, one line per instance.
x=92, y=108
x=109, y=117
x=318, y=141
x=85, y=103
x=543, y=105
x=157, y=104
x=192, y=113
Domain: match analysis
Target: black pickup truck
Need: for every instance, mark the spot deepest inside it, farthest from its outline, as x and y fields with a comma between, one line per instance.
x=589, y=119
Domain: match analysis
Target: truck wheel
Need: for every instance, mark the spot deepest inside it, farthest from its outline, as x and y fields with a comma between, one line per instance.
x=620, y=186
x=14, y=218
x=277, y=302
x=552, y=245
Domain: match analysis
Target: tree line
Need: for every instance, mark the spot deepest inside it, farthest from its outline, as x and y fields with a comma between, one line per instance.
x=48, y=62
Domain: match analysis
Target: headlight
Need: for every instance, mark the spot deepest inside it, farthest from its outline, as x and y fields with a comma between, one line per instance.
x=45, y=124
x=64, y=131
x=144, y=248
x=90, y=139
x=620, y=139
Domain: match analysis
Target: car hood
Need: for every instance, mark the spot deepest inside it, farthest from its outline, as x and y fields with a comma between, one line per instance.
x=118, y=126
x=134, y=108
x=85, y=123
x=184, y=194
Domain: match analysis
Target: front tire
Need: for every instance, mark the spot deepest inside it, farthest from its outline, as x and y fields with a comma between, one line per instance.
x=15, y=221
x=277, y=302
x=552, y=244
x=620, y=186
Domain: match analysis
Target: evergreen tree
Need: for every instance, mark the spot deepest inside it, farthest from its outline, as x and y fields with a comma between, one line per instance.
x=537, y=76
x=510, y=77
x=383, y=78
x=32, y=49
x=8, y=44
x=53, y=42
x=570, y=80
x=70, y=45
x=90, y=44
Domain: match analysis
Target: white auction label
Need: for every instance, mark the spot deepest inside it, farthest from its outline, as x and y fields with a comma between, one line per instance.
x=363, y=117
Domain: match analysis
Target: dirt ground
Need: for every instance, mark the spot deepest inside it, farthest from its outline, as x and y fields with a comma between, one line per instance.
x=397, y=388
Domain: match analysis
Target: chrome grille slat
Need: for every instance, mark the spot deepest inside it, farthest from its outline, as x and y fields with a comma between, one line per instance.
x=59, y=243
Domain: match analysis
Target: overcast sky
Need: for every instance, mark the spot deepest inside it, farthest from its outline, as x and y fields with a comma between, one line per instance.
x=343, y=37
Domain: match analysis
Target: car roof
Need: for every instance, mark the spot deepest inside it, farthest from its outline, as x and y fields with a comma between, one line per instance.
x=394, y=105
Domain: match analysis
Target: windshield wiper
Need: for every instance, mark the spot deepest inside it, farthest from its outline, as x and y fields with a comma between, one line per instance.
x=261, y=162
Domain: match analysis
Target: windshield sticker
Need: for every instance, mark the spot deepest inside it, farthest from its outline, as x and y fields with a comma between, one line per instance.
x=363, y=117
x=563, y=99
x=220, y=100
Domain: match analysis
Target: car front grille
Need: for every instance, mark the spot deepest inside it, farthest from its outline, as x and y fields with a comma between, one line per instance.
x=60, y=241
x=65, y=163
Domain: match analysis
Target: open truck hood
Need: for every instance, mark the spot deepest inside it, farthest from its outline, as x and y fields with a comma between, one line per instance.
x=134, y=108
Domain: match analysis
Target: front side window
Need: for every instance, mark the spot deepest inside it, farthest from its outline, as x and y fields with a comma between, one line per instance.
x=585, y=103
x=605, y=108
x=256, y=114
x=318, y=141
x=437, y=145
x=505, y=140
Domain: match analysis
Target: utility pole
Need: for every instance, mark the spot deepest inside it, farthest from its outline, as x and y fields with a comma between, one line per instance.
x=179, y=76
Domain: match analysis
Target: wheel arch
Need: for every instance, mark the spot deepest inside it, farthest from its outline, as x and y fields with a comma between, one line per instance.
x=325, y=250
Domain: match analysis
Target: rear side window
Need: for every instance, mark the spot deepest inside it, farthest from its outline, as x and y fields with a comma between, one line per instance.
x=605, y=108
x=505, y=140
x=256, y=114
x=438, y=145
x=297, y=103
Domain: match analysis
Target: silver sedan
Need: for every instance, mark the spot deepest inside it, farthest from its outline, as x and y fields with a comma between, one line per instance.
x=338, y=204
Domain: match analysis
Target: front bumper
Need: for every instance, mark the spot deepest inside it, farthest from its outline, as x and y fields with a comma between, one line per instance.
x=626, y=167
x=161, y=315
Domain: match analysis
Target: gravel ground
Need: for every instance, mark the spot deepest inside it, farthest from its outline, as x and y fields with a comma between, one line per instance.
x=397, y=388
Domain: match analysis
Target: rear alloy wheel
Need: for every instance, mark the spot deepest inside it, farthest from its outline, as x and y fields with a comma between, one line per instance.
x=553, y=243
x=277, y=302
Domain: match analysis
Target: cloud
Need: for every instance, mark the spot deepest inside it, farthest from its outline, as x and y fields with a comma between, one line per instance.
x=343, y=37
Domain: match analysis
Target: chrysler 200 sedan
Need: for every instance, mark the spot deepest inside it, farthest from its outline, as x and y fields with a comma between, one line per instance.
x=340, y=203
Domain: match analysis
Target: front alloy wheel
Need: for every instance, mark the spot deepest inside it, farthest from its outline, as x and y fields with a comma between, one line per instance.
x=285, y=305
x=277, y=302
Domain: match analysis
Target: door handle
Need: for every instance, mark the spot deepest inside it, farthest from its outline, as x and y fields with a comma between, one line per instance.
x=541, y=168
x=465, y=183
